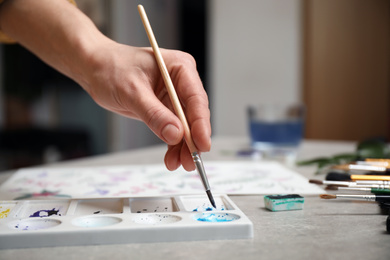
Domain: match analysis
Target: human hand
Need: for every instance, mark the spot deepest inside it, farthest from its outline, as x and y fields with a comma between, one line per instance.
x=127, y=81
x=120, y=78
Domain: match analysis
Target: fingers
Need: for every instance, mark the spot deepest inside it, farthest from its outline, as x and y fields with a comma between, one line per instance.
x=177, y=155
x=172, y=157
x=193, y=97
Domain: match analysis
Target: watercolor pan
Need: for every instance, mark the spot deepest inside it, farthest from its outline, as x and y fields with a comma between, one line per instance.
x=283, y=202
x=96, y=221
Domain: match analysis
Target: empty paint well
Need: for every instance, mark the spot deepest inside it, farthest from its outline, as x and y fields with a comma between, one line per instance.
x=34, y=224
x=216, y=217
x=96, y=221
x=99, y=206
x=148, y=205
x=196, y=203
x=155, y=219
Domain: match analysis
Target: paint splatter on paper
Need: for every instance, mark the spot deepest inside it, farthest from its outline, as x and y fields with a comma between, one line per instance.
x=237, y=177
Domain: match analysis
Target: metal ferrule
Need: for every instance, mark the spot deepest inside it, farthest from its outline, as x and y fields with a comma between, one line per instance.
x=377, y=186
x=358, y=197
x=355, y=188
x=373, y=182
x=367, y=167
x=200, y=168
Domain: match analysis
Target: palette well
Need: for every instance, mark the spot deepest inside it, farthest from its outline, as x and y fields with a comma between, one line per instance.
x=42, y=223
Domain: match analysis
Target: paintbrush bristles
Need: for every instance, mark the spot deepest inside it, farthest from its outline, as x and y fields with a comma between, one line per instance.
x=316, y=182
x=331, y=187
x=328, y=196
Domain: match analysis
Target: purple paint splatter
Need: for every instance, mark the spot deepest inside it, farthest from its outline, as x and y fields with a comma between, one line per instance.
x=41, y=213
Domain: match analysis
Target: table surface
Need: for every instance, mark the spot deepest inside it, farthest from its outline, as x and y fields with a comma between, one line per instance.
x=323, y=230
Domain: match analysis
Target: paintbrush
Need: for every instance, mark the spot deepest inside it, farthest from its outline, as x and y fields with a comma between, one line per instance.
x=377, y=160
x=372, y=182
x=372, y=190
x=337, y=183
x=176, y=104
x=379, y=198
x=337, y=176
x=334, y=176
x=361, y=167
x=360, y=184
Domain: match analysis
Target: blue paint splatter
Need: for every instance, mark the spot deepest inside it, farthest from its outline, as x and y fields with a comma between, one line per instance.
x=208, y=208
x=216, y=218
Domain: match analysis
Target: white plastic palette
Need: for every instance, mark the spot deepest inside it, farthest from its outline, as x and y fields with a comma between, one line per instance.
x=41, y=223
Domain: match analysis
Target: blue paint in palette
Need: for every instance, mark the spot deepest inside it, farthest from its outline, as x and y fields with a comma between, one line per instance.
x=206, y=208
x=216, y=217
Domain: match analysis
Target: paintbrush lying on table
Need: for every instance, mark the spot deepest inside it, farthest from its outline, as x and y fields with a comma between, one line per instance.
x=379, y=198
x=176, y=104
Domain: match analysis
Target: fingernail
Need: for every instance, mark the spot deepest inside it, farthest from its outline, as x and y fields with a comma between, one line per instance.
x=170, y=134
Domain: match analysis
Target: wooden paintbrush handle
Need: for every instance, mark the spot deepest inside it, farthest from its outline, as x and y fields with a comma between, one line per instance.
x=167, y=80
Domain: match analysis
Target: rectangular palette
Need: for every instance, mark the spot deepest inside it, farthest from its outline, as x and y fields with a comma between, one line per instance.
x=70, y=222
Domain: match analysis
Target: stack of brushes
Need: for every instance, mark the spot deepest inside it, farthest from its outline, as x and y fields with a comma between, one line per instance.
x=369, y=187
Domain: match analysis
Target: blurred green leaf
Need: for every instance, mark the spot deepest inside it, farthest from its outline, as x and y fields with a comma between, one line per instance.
x=370, y=148
x=373, y=149
x=319, y=160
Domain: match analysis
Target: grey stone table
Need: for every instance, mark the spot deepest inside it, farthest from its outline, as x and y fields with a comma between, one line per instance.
x=323, y=230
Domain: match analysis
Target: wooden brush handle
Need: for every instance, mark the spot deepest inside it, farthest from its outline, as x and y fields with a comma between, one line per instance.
x=167, y=80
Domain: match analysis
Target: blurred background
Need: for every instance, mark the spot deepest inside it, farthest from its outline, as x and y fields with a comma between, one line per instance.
x=333, y=56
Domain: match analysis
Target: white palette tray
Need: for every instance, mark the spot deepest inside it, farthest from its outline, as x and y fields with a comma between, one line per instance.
x=42, y=223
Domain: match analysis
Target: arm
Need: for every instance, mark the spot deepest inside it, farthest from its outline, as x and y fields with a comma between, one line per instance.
x=120, y=78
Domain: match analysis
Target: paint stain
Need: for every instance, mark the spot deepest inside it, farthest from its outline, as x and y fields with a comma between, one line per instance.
x=208, y=208
x=97, y=212
x=45, y=213
x=215, y=218
x=4, y=213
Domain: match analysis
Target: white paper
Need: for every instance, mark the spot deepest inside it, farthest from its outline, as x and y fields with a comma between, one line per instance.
x=231, y=177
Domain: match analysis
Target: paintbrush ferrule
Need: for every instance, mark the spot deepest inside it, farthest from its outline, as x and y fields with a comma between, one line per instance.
x=357, y=197
x=355, y=188
x=200, y=168
x=359, y=182
x=202, y=173
x=376, y=186
x=373, y=168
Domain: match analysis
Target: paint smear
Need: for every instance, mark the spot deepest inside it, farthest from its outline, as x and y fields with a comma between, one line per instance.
x=5, y=209
x=38, y=209
x=99, y=206
x=149, y=205
x=201, y=203
x=205, y=207
x=216, y=217
x=45, y=213
x=4, y=214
